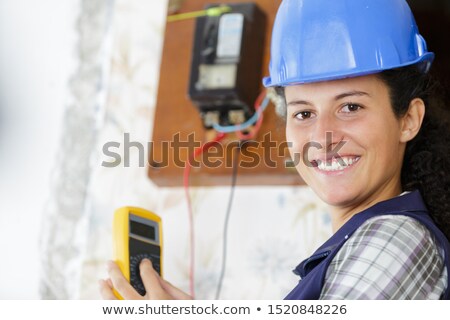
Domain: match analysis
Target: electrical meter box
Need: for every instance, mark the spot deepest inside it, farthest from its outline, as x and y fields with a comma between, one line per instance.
x=226, y=64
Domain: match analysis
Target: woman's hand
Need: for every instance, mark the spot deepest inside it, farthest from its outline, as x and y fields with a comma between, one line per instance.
x=155, y=287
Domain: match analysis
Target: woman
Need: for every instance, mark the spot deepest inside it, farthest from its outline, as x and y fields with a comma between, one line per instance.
x=361, y=111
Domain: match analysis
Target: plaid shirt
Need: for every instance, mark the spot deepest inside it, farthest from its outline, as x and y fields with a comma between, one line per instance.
x=388, y=257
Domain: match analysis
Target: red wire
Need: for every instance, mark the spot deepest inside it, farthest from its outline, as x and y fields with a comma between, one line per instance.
x=187, y=170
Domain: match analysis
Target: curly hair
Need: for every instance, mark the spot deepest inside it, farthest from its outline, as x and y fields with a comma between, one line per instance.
x=426, y=163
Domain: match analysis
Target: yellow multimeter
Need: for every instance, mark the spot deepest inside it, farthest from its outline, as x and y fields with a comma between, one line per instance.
x=137, y=234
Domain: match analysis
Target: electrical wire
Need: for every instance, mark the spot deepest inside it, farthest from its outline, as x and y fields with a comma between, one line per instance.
x=260, y=107
x=211, y=12
x=260, y=104
x=262, y=100
x=187, y=169
x=227, y=219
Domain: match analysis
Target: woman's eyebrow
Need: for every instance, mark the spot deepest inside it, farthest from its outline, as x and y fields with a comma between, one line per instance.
x=299, y=102
x=350, y=94
x=338, y=97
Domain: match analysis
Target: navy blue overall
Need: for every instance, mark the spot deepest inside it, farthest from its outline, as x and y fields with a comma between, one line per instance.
x=313, y=270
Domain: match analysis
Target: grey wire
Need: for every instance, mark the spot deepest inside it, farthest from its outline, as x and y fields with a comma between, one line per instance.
x=227, y=218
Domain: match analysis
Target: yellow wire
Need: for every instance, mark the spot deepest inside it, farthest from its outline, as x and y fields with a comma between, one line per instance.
x=212, y=12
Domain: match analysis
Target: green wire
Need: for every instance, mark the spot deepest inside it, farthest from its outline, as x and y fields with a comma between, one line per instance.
x=211, y=12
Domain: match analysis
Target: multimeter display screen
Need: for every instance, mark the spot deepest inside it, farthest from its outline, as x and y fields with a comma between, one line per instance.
x=143, y=230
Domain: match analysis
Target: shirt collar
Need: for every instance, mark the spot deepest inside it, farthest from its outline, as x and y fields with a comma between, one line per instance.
x=406, y=202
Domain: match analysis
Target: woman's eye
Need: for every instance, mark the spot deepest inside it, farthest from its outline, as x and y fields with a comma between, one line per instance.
x=350, y=107
x=303, y=115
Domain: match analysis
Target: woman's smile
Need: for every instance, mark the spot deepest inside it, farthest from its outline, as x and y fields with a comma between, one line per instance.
x=335, y=166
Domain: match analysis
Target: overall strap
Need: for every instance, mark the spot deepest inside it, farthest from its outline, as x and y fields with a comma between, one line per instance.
x=313, y=270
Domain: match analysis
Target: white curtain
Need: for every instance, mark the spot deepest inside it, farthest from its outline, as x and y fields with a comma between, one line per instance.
x=66, y=215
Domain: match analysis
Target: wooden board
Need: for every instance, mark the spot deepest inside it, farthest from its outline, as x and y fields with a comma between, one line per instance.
x=176, y=117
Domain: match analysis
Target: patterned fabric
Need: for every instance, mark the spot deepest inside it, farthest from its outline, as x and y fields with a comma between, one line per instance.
x=407, y=263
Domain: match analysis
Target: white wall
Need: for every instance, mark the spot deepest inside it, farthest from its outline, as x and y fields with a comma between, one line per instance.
x=37, y=58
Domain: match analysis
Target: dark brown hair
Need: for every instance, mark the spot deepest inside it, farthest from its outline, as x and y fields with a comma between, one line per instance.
x=426, y=165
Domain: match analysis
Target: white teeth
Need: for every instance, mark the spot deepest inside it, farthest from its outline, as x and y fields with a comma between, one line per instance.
x=335, y=164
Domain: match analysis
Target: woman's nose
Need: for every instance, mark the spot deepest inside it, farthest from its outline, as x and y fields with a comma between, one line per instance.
x=326, y=132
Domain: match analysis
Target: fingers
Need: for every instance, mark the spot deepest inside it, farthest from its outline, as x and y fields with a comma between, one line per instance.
x=155, y=286
x=152, y=285
x=106, y=290
x=174, y=291
x=158, y=288
x=120, y=284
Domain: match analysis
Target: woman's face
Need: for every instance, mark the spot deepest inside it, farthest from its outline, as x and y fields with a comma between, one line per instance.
x=347, y=138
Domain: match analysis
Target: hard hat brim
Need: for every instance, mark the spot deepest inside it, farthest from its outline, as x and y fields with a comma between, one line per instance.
x=424, y=63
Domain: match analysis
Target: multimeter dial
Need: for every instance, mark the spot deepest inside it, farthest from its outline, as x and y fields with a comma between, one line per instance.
x=135, y=276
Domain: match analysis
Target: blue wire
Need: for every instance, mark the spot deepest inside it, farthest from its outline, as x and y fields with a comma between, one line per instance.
x=246, y=124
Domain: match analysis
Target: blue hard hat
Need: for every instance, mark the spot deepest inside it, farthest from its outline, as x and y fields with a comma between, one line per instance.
x=319, y=40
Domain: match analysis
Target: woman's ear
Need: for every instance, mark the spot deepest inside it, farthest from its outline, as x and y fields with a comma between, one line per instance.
x=412, y=120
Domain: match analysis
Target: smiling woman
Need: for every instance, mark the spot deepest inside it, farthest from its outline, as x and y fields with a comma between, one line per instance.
x=355, y=111
x=364, y=115
x=393, y=136
x=382, y=141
